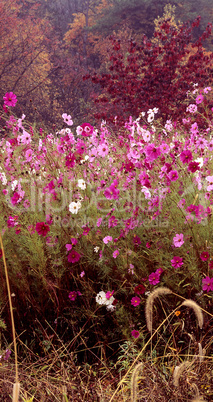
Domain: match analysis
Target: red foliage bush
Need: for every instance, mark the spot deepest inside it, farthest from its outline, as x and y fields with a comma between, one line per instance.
x=153, y=75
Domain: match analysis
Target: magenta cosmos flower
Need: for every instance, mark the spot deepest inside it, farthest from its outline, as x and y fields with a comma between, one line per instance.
x=177, y=262
x=73, y=256
x=211, y=264
x=178, y=240
x=42, y=228
x=154, y=278
x=135, y=301
x=10, y=99
x=109, y=294
x=135, y=333
x=204, y=256
x=173, y=175
x=72, y=295
x=193, y=166
x=70, y=160
x=186, y=156
x=207, y=284
x=112, y=192
x=15, y=198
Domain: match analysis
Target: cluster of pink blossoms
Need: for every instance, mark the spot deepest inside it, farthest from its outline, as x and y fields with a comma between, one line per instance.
x=116, y=174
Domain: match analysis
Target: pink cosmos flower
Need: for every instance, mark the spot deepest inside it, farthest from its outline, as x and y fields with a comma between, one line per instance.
x=204, y=256
x=112, y=192
x=109, y=294
x=201, y=143
x=10, y=122
x=67, y=119
x=164, y=148
x=207, y=284
x=115, y=253
x=152, y=152
x=178, y=240
x=73, y=257
x=26, y=138
x=131, y=269
x=74, y=241
x=135, y=301
x=173, y=175
x=192, y=108
x=135, y=333
x=194, y=128
x=177, y=262
x=199, y=99
x=112, y=222
x=87, y=130
x=72, y=295
x=26, y=203
x=42, y=229
x=107, y=239
x=86, y=230
x=98, y=223
x=206, y=90
x=29, y=155
x=10, y=99
x=69, y=247
x=12, y=221
x=181, y=203
x=210, y=180
x=92, y=154
x=159, y=271
x=103, y=150
x=154, y=278
x=80, y=147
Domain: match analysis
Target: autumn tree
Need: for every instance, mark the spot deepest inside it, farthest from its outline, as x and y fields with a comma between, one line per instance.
x=25, y=65
x=152, y=74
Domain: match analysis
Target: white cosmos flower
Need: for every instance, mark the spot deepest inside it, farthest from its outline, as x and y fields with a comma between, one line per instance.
x=74, y=207
x=150, y=117
x=200, y=161
x=14, y=184
x=101, y=298
x=82, y=184
x=110, y=307
x=109, y=301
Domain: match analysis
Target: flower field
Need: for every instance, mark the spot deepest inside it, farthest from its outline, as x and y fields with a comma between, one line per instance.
x=95, y=223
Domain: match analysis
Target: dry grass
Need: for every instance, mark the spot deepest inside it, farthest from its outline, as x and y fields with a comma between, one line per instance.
x=51, y=380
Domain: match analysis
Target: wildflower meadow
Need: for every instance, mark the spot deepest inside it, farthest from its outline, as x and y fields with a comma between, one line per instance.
x=107, y=240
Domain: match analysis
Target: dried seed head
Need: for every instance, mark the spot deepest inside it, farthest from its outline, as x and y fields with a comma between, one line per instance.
x=197, y=310
x=149, y=304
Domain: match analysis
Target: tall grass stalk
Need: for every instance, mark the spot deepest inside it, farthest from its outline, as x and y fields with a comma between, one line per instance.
x=16, y=385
